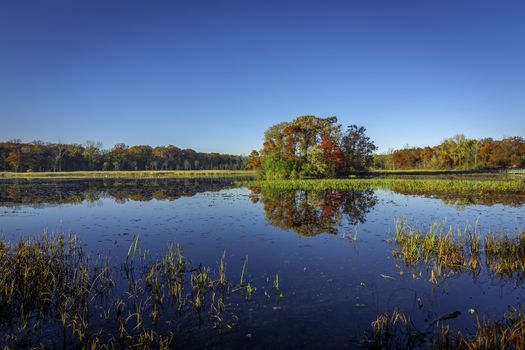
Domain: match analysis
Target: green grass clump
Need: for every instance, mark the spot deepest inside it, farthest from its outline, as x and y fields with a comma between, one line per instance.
x=411, y=185
x=450, y=251
x=505, y=254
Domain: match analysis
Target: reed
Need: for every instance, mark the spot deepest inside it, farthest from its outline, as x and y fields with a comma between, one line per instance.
x=448, y=251
x=395, y=330
x=49, y=285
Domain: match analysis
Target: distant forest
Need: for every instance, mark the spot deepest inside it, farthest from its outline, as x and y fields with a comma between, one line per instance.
x=38, y=156
x=458, y=152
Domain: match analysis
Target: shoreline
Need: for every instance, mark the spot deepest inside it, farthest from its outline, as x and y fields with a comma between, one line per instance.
x=131, y=174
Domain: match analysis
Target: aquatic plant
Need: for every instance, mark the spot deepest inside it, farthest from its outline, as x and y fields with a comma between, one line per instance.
x=398, y=184
x=50, y=286
x=446, y=251
x=395, y=330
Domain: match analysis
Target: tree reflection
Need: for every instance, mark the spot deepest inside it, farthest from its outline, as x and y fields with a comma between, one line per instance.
x=52, y=192
x=462, y=200
x=309, y=213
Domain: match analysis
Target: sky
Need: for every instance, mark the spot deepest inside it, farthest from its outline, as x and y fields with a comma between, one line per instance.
x=213, y=76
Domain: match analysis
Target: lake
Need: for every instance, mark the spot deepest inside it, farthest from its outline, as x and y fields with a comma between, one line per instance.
x=331, y=250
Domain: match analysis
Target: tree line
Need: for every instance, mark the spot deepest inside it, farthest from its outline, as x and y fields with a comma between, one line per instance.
x=39, y=156
x=458, y=152
x=310, y=146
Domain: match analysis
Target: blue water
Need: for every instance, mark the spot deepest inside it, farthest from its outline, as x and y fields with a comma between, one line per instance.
x=332, y=284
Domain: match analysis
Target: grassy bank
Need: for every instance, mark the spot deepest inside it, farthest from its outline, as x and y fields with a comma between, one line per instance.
x=126, y=174
x=413, y=185
x=444, y=172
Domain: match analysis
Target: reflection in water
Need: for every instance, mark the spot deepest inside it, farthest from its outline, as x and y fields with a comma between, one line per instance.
x=309, y=213
x=461, y=200
x=487, y=199
x=31, y=192
x=325, y=281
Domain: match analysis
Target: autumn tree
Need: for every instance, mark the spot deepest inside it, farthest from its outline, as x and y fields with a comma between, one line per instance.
x=293, y=149
x=14, y=159
x=310, y=146
x=253, y=161
x=333, y=155
x=460, y=152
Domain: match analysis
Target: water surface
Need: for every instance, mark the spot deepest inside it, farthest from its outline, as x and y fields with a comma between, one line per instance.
x=330, y=249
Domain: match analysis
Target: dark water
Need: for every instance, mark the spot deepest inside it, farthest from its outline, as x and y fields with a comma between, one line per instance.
x=333, y=285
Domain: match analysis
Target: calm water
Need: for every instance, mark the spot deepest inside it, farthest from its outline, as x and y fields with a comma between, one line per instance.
x=333, y=286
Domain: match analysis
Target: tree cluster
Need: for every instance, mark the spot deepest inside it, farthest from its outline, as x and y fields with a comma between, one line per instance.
x=310, y=146
x=459, y=152
x=39, y=156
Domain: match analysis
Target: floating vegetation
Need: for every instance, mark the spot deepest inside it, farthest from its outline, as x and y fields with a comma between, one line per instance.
x=450, y=251
x=52, y=294
x=411, y=185
x=395, y=330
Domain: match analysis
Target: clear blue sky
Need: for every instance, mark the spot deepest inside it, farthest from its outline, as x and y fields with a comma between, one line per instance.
x=214, y=75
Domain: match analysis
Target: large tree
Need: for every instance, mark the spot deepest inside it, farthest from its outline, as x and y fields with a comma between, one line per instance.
x=310, y=146
x=358, y=148
x=293, y=149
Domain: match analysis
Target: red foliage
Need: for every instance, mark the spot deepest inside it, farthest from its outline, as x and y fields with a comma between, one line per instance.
x=332, y=152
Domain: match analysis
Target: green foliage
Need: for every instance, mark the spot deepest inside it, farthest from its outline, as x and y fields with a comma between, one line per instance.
x=310, y=146
x=358, y=148
x=275, y=169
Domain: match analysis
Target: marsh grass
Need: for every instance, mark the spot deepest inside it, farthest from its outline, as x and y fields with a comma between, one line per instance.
x=449, y=251
x=410, y=185
x=395, y=330
x=54, y=295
